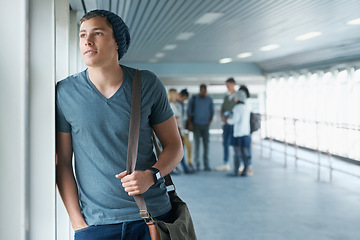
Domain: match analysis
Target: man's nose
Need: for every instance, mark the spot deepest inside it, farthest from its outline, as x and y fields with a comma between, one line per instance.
x=88, y=41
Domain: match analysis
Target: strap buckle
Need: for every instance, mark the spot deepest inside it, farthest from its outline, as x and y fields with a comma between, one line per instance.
x=146, y=216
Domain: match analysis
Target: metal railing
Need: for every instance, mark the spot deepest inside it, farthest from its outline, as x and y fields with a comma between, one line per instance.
x=312, y=136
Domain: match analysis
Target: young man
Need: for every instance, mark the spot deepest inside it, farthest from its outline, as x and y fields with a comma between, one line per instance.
x=200, y=115
x=93, y=117
x=226, y=109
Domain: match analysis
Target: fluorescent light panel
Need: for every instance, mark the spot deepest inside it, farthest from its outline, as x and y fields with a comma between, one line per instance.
x=209, y=18
x=170, y=47
x=269, y=47
x=244, y=55
x=159, y=55
x=307, y=36
x=354, y=22
x=185, y=35
x=225, y=60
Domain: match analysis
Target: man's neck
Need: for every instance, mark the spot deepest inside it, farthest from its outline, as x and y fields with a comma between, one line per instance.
x=106, y=79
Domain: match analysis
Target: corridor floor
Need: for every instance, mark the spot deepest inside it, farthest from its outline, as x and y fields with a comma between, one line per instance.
x=276, y=203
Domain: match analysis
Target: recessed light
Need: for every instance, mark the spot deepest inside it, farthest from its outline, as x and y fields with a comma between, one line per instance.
x=185, y=35
x=159, y=55
x=307, y=36
x=170, y=47
x=354, y=22
x=153, y=60
x=269, y=47
x=244, y=55
x=225, y=60
x=209, y=18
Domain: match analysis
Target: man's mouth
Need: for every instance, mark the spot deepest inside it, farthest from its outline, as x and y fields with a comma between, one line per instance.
x=90, y=52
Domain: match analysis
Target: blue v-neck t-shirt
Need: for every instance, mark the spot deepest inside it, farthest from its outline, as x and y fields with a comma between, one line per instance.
x=99, y=127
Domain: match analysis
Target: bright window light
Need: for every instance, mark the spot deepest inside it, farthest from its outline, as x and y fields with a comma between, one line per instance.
x=170, y=47
x=244, y=55
x=225, y=60
x=209, y=18
x=269, y=47
x=354, y=22
x=185, y=36
x=307, y=36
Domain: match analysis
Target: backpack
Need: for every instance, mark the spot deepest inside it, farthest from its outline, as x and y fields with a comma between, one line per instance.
x=255, y=122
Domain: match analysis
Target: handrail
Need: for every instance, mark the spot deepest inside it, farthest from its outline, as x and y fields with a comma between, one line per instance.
x=292, y=138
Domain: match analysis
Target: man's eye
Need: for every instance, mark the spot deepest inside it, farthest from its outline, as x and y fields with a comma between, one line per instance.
x=82, y=35
x=98, y=33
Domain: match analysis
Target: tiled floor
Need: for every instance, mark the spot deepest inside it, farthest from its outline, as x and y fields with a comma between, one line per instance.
x=276, y=203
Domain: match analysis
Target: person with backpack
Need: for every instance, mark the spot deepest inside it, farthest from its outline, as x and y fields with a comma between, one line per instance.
x=241, y=140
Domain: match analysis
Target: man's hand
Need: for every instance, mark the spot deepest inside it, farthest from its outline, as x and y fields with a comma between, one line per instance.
x=81, y=226
x=136, y=183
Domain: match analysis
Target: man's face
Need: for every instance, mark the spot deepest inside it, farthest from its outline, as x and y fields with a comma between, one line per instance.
x=230, y=86
x=182, y=98
x=203, y=92
x=97, y=44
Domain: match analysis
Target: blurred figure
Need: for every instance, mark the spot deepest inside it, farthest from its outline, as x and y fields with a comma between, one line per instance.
x=241, y=137
x=226, y=108
x=250, y=170
x=180, y=99
x=173, y=96
x=200, y=114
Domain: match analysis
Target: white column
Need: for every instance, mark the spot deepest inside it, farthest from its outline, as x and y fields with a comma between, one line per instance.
x=27, y=123
x=13, y=119
x=62, y=25
x=41, y=120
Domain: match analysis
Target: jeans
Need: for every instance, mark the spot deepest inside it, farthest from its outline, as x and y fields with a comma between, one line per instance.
x=136, y=230
x=201, y=131
x=227, y=135
x=242, y=152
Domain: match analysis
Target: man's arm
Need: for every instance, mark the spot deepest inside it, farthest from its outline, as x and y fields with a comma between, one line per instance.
x=140, y=181
x=65, y=180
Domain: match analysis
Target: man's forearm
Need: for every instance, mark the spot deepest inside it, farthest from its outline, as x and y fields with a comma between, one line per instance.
x=169, y=158
x=69, y=193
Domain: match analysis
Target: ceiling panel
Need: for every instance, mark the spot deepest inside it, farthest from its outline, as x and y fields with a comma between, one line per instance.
x=245, y=26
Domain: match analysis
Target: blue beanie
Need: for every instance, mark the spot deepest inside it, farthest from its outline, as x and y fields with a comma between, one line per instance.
x=121, y=31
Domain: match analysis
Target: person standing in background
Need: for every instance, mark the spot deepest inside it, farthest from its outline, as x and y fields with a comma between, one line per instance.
x=200, y=114
x=180, y=99
x=250, y=170
x=241, y=140
x=228, y=129
x=173, y=95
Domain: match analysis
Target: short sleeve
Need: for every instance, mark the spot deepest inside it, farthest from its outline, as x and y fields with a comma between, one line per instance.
x=161, y=109
x=61, y=124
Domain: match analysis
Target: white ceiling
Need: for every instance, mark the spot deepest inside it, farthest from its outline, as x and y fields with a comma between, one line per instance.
x=244, y=26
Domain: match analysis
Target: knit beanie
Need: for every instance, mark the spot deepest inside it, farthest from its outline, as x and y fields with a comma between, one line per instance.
x=121, y=31
x=240, y=96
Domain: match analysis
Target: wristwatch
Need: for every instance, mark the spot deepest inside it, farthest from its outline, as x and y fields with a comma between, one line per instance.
x=156, y=174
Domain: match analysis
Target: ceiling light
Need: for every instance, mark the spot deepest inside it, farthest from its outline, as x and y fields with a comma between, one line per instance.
x=354, y=22
x=209, y=18
x=170, y=47
x=159, y=55
x=153, y=60
x=307, y=36
x=244, y=55
x=225, y=60
x=185, y=35
x=269, y=47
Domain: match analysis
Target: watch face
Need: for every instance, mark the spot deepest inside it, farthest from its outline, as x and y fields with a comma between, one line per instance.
x=158, y=175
